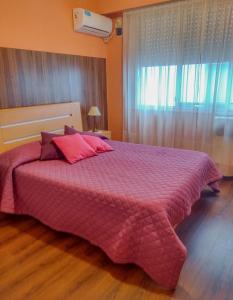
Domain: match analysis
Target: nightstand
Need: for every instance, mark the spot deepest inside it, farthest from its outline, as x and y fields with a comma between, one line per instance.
x=106, y=133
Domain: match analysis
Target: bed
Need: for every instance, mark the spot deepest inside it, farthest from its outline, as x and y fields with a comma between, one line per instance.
x=127, y=201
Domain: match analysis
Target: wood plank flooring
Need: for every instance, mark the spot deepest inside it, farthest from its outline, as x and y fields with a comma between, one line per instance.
x=39, y=263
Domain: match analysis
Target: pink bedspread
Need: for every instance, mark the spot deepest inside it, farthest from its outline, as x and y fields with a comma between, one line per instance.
x=126, y=201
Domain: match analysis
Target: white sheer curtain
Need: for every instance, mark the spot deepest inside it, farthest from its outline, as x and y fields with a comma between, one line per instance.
x=178, y=76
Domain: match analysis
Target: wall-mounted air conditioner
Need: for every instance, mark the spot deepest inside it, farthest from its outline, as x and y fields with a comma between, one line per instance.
x=88, y=22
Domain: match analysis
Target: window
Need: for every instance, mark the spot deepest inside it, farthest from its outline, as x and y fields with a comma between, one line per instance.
x=168, y=87
x=158, y=86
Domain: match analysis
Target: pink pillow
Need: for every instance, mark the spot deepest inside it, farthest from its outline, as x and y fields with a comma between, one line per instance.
x=48, y=149
x=97, y=144
x=70, y=130
x=74, y=147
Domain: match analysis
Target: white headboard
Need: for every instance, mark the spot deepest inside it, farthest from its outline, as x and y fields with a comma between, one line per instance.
x=24, y=124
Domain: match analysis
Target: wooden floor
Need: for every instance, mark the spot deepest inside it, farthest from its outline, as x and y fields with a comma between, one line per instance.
x=39, y=263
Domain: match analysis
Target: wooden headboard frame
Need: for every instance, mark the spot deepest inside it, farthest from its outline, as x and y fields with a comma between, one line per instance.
x=24, y=124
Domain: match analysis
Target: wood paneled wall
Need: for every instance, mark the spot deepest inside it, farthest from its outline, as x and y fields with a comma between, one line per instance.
x=33, y=78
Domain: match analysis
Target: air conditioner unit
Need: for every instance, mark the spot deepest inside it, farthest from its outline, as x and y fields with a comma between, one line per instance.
x=88, y=22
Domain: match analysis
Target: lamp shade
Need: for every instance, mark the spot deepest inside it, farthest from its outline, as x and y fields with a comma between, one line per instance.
x=94, y=111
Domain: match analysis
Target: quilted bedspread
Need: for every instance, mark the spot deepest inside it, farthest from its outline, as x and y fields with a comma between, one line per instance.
x=127, y=201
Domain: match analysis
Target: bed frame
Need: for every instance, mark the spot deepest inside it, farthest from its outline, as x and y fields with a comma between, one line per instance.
x=24, y=124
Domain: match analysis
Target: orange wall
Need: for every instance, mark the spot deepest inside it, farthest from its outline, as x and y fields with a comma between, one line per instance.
x=114, y=87
x=46, y=25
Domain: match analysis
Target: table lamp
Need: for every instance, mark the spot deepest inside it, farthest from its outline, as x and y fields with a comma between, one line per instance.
x=94, y=112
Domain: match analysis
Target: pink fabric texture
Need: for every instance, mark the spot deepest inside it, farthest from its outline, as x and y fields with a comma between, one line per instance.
x=74, y=147
x=126, y=201
x=97, y=144
x=8, y=162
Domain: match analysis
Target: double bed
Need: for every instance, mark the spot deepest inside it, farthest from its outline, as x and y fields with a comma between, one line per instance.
x=127, y=201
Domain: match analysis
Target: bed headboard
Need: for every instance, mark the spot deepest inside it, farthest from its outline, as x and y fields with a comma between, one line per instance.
x=24, y=124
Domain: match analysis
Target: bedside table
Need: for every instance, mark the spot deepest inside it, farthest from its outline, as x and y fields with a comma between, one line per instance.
x=106, y=133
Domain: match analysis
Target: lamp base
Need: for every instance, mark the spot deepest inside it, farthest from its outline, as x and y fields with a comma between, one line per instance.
x=94, y=124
